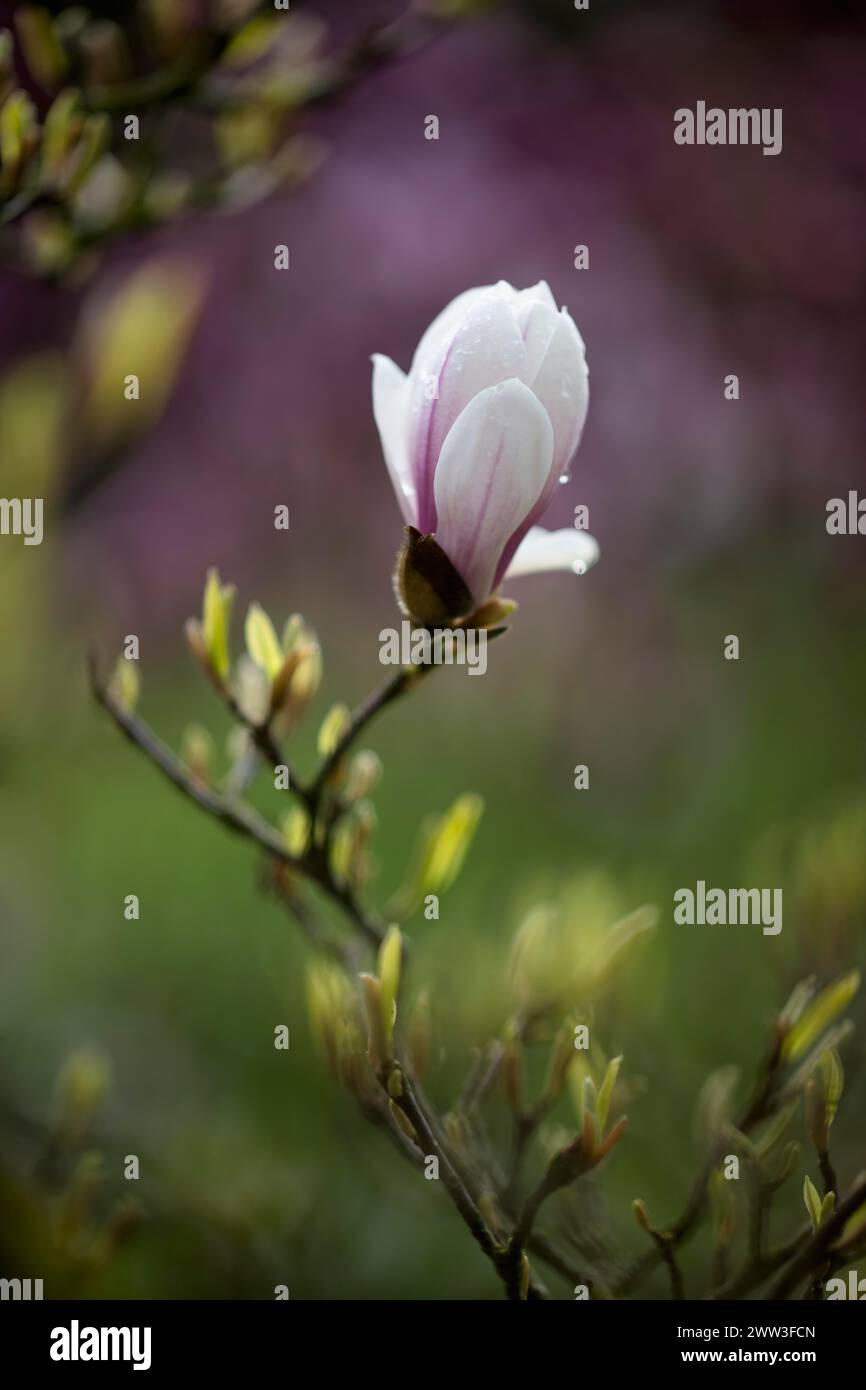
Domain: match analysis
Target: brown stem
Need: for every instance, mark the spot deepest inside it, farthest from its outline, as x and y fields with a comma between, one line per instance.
x=235, y=814
x=378, y=700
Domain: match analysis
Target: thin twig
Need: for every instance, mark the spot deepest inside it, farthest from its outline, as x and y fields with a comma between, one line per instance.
x=235, y=814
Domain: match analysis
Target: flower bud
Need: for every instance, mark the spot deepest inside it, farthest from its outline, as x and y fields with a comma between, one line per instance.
x=476, y=439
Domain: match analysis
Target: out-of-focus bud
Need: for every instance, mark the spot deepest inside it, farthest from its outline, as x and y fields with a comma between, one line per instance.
x=491, y=614
x=60, y=132
x=198, y=751
x=125, y=683
x=246, y=134
x=106, y=54
x=168, y=194
x=833, y=1078
x=140, y=328
x=605, y=1093
x=812, y=1202
x=334, y=725
x=378, y=1045
x=440, y=852
x=82, y=1084
x=365, y=771
x=262, y=641
x=303, y=685
x=350, y=862
x=771, y=1139
x=171, y=25
x=295, y=827
x=209, y=639
x=818, y=1016
x=618, y=946
x=389, y=963
x=331, y=1006
x=92, y=143
x=41, y=46
x=490, y=1211
x=19, y=136
x=642, y=1216
x=531, y=970
x=48, y=244
x=450, y=841
x=714, y=1104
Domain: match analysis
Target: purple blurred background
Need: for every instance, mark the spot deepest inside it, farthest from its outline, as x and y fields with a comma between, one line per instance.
x=702, y=262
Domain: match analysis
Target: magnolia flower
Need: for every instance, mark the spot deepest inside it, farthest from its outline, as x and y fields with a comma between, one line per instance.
x=479, y=433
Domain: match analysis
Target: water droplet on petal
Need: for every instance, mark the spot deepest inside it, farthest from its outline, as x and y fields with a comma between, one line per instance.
x=564, y=478
x=578, y=567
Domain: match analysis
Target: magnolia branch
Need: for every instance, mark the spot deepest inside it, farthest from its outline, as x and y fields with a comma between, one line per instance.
x=237, y=815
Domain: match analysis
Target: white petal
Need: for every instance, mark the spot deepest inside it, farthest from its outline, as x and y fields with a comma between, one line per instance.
x=486, y=349
x=542, y=550
x=539, y=293
x=493, y=466
x=562, y=386
x=390, y=399
x=538, y=323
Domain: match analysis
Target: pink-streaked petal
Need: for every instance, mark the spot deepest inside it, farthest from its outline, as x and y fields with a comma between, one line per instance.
x=486, y=349
x=493, y=466
x=445, y=324
x=542, y=550
x=390, y=399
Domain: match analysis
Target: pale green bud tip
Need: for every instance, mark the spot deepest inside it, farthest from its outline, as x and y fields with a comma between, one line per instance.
x=641, y=1215
x=334, y=725
x=295, y=828
x=390, y=959
x=262, y=642
x=83, y=1080
x=214, y=628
